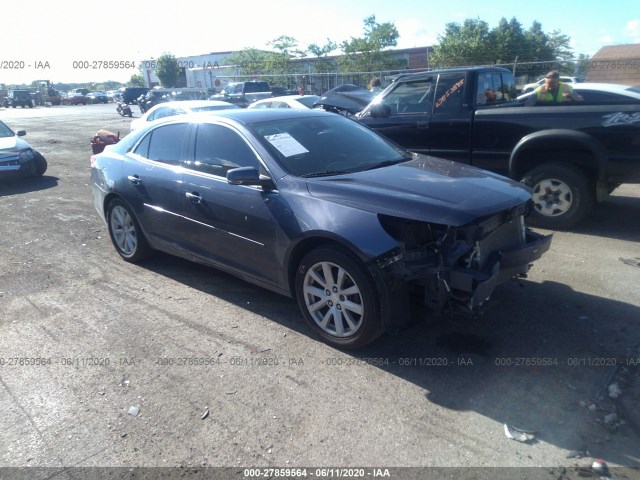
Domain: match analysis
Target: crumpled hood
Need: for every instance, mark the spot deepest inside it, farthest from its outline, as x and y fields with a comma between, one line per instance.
x=425, y=189
x=10, y=146
x=346, y=97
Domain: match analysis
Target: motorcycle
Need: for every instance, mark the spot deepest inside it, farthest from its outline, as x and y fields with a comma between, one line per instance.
x=124, y=109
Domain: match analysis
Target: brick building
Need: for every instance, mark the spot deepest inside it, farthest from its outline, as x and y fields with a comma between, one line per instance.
x=615, y=64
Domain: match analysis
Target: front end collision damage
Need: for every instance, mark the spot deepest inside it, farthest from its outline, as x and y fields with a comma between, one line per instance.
x=456, y=269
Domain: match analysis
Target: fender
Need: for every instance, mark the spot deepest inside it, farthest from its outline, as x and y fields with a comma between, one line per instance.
x=546, y=139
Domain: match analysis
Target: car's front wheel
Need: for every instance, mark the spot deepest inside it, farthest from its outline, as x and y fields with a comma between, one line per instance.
x=125, y=232
x=40, y=164
x=338, y=298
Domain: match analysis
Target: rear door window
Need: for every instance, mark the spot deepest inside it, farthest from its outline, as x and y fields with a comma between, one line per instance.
x=449, y=93
x=165, y=144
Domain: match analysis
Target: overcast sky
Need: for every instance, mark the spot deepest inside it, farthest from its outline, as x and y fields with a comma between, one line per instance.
x=55, y=35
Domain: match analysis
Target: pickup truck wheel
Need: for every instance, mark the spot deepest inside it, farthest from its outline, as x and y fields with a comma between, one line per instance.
x=337, y=297
x=562, y=195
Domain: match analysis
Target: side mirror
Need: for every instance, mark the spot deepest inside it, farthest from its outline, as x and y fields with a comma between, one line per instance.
x=21, y=133
x=380, y=110
x=249, y=176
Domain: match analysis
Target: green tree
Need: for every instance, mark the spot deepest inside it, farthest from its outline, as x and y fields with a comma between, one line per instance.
x=167, y=70
x=136, y=80
x=321, y=52
x=507, y=40
x=581, y=65
x=367, y=53
x=464, y=44
x=561, y=51
x=279, y=61
x=538, y=52
x=474, y=43
x=285, y=49
x=249, y=61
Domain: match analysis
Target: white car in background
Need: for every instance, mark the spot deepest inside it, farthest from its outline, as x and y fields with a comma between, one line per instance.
x=299, y=102
x=601, y=94
x=530, y=87
x=169, y=109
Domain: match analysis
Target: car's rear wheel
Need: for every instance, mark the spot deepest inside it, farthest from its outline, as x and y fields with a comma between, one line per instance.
x=338, y=298
x=125, y=232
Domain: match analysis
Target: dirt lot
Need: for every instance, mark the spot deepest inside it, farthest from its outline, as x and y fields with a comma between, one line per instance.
x=223, y=374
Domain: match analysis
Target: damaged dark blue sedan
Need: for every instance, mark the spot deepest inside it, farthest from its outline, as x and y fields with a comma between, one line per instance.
x=318, y=207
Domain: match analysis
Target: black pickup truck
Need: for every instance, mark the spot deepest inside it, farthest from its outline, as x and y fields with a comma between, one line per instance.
x=244, y=93
x=571, y=156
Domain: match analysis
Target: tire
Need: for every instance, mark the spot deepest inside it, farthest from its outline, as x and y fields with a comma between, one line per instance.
x=562, y=195
x=40, y=165
x=344, y=309
x=125, y=232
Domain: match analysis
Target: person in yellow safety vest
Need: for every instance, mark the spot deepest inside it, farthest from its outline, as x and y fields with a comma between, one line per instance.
x=553, y=91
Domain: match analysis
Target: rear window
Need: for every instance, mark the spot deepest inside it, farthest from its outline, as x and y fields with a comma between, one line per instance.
x=256, y=87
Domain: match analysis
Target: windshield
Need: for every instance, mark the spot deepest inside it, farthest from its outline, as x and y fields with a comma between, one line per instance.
x=5, y=131
x=308, y=100
x=329, y=145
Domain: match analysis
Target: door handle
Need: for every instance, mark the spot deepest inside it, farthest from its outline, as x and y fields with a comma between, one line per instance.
x=423, y=125
x=135, y=179
x=194, y=197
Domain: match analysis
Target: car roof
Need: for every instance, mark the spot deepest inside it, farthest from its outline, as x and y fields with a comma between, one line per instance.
x=285, y=98
x=247, y=116
x=624, y=90
x=193, y=103
x=450, y=70
x=606, y=87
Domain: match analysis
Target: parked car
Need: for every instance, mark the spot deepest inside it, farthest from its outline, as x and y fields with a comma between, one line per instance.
x=129, y=95
x=317, y=207
x=169, y=109
x=244, y=93
x=288, y=101
x=82, y=91
x=74, y=99
x=97, y=97
x=530, y=87
x=19, y=97
x=112, y=95
x=150, y=99
x=17, y=157
x=601, y=94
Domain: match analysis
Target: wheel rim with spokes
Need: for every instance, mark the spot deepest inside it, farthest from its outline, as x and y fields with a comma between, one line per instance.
x=124, y=231
x=552, y=197
x=333, y=299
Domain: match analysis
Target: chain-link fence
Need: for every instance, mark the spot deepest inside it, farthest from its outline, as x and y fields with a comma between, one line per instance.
x=623, y=71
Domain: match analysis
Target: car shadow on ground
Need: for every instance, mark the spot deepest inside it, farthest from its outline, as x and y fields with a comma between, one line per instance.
x=613, y=218
x=19, y=185
x=536, y=359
